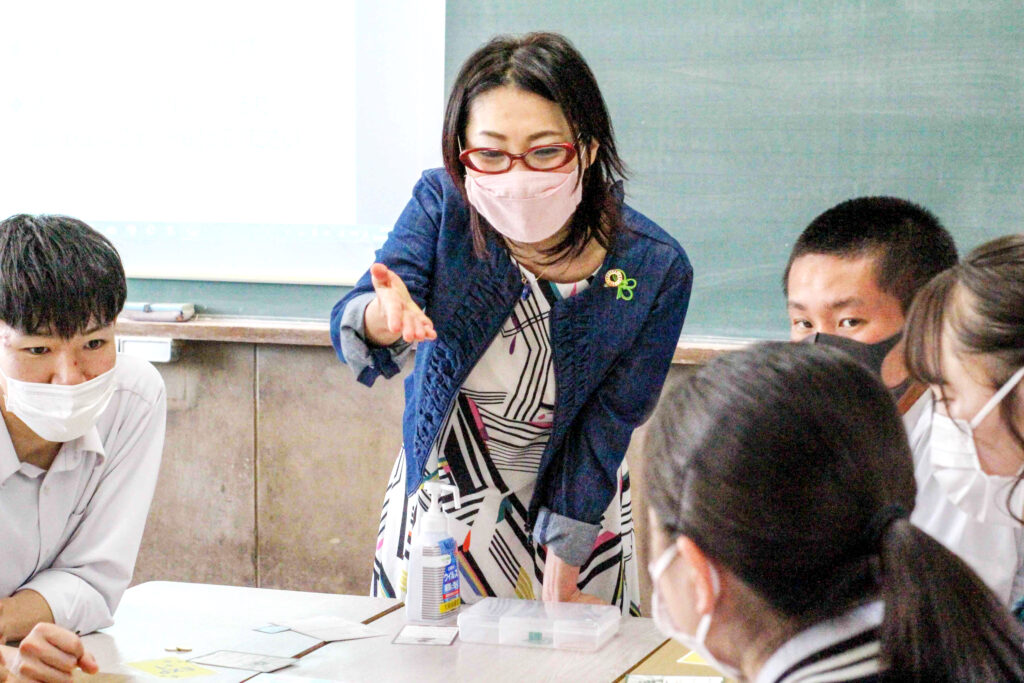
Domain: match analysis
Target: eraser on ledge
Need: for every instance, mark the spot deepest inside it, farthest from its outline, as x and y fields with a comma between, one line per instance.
x=163, y=313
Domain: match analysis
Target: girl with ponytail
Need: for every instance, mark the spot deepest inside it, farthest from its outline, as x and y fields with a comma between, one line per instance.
x=781, y=485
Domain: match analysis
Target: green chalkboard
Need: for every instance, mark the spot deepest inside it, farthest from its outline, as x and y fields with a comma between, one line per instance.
x=741, y=121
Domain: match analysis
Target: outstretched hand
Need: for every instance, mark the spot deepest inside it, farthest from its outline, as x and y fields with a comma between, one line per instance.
x=393, y=315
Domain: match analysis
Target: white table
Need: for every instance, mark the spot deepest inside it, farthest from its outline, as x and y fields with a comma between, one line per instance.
x=159, y=615
x=378, y=659
x=156, y=616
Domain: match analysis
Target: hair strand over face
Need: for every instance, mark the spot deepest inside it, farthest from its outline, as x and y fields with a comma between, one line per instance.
x=980, y=304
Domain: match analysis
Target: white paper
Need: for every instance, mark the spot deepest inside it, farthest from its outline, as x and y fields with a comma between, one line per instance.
x=412, y=634
x=330, y=629
x=656, y=678
x=287, y=643
x=287, y=678
x=244, y=660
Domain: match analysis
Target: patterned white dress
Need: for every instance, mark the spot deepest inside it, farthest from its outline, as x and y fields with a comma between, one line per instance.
x=490, y=446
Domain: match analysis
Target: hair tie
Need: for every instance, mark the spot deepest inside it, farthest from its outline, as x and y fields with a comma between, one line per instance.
x=879, y=524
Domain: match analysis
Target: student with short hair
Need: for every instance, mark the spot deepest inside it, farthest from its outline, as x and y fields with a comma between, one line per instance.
x=965, y=339
x=850, y=282
x=780, y=484
x=853, y=273
x=82, y=429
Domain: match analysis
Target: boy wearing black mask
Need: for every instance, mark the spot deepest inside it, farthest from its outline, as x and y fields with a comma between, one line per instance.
x=852, y=275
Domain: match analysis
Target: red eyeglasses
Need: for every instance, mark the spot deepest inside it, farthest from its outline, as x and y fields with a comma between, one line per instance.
x=539, y=158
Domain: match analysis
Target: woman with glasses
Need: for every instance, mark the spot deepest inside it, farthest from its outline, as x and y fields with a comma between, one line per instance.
x=546, y=313
x=781, y=484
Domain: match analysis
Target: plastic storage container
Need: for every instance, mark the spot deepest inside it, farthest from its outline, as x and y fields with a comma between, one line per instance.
x=562, y=625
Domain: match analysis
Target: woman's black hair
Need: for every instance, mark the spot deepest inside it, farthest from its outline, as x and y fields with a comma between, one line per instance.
x=545, y=64
x=981, y=301
x=788, y=465
x=58, y=276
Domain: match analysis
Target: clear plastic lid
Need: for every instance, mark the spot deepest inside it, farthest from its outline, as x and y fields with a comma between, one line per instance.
x=531, y=623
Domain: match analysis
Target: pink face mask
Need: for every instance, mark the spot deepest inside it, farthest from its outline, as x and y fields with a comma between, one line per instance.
x=526, y=206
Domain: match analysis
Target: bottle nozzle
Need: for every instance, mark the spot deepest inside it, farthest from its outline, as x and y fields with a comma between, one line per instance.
x=435, y=520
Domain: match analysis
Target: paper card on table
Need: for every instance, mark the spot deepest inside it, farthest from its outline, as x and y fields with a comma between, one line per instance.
x=244, y=660
x=285, y=643
x=271, y=628
x=170, y=667
x=79, y=676
x=692, y=657
x=286, y=678
x=426, y=635
x=330, y=629
x=655, y=678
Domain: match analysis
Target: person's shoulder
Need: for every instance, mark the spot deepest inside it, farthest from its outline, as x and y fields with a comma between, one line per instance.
x=436, y=181
x=138, y=380
x=639, y=224
x=437, y=177
x=641, y=233
x=438, y=197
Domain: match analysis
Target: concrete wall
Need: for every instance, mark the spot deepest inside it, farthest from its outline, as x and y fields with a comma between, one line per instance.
x=275, y=466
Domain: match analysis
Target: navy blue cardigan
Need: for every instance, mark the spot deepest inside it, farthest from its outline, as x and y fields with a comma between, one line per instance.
x=610, y=355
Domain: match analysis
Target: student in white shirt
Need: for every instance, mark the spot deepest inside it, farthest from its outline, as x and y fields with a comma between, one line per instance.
x=781, y=482
x=851, y=278
x=82, y=430
x=965, y=338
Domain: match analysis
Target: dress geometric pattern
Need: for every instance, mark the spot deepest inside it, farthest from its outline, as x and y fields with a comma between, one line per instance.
x=490, y=447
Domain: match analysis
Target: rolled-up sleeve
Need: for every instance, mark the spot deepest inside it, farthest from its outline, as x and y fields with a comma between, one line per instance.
x=409, y=251
x=363, y=357
x=75, y=603
x=569, y=539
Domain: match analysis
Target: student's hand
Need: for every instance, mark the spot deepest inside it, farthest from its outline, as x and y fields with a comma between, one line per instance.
x=50, y=654
x=393, y=315
x=560, y=580
x=3, y=641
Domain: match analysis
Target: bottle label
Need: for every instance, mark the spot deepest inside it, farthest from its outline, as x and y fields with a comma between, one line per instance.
x=450, y=599
x=440, y=580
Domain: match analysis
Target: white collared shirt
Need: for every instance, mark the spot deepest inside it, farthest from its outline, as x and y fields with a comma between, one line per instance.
x=992, y=551
x=71, y=533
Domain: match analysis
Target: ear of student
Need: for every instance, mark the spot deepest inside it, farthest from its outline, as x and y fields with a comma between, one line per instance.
x=700, y=573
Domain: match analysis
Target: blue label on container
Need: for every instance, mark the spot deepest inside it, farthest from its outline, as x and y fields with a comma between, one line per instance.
x=450, y=599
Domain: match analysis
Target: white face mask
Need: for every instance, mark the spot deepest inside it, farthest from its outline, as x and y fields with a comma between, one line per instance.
x=958, y=470
x=60, y=412
x=663, y=619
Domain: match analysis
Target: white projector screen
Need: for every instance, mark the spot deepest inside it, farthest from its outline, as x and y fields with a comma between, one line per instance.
x=231, y=140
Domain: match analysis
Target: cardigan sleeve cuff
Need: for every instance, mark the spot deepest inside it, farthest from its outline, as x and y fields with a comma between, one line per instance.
x=368, y=361
x=571, y=540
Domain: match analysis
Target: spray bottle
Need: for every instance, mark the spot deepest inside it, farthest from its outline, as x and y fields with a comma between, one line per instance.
x=432, y=595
